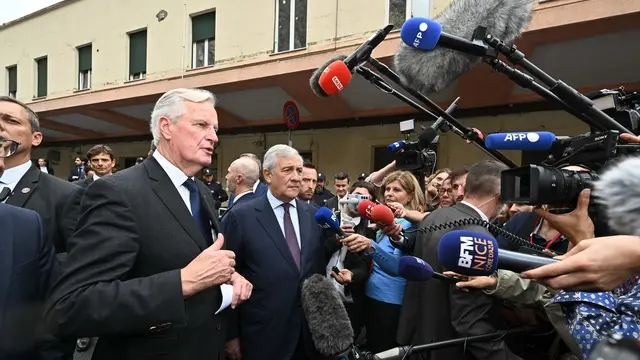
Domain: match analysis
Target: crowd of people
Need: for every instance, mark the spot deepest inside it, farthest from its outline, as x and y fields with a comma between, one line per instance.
x=150, y=262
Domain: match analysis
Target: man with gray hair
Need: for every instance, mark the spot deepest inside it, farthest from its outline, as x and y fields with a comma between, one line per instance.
x=143, y=272
x=436, y=311
x=242, y=175
x=279, y=244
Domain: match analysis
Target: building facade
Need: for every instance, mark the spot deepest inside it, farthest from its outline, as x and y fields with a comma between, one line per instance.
x=92, y=69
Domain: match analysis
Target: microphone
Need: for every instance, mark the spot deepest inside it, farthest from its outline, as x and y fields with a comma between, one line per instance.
x=425, y=34
x=396, y=146
x=475, y=254
x=330, y=78
x=327, y=317
x=532, y=141
x=613, y=190
x=381, y=214
x=327, y=220
x=415, y=269
x=431, y=71
x=364, y=208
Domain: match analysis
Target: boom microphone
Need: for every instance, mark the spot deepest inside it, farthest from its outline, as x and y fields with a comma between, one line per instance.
x=322, y=81
x=532, y=141
x=329, y=323
x=475, y=254
x=432, y=71
x=327, y=220
x=615, y=190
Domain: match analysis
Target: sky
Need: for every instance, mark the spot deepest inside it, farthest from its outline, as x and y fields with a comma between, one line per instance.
x=13, y=9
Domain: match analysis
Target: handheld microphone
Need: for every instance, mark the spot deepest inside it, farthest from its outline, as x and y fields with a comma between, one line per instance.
x=532, y=141
x=327, y=317
x=615, y=190
x=415, y=269
x=396, y=146
x=475, y=254
x=382, y=215
x=431, y=71
x=425, y=34
x=364, y=208
x=327, y=220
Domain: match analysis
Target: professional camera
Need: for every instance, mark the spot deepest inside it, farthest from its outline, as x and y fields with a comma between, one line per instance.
x=622, y=107
x=413, y=155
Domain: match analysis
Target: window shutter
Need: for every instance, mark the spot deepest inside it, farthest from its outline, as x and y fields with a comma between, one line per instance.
x=84, y=58
x=138, y=52
x=203, y=26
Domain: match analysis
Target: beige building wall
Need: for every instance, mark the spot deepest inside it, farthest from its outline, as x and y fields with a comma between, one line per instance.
x=244, y=30
x=351, y=149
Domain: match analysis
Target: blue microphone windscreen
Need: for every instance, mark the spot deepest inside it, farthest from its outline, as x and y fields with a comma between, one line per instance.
x=395, y=146
x=326, y=218
x=534, y=141
x=414, y=269
x=468, y=253
x=421, y=33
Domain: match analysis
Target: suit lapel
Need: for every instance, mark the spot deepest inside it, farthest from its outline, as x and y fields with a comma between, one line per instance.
x=6, y=257
x=25, y=187
x=209, y=208
x=267, y=218
x=168, y=194
x=304, y=222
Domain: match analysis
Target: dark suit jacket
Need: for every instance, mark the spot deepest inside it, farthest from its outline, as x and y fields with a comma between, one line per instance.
x=437, y=311
x=55, y=200
x=261, y=189
x=121, y=280
x=28, y=267
x=244, y=198
x=84, y=182
x=332, y=204
x=76, y=172
x=270, y=323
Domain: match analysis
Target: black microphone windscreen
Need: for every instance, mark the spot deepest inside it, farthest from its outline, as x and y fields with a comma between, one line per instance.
x=327, y=317
x=615, y=190
x=431, y=71
x=313, y=80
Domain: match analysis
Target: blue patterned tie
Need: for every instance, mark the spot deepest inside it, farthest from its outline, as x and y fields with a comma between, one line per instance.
x=198, y=212
x=290, y=235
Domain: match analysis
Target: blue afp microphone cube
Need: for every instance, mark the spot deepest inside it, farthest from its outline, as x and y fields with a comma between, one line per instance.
x=533, y=141
x=421, y=33
x=468, y=253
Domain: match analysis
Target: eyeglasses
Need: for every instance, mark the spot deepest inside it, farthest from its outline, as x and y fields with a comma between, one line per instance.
x=448, y=191
x=8, y=147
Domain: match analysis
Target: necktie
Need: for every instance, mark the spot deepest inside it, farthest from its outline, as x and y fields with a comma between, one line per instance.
x=198, y=212
x=290, y=235
x=4, y=194
x=81, y=173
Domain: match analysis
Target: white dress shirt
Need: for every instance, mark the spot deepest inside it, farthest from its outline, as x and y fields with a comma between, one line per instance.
x=279, y=211
x=482, y=215
x=177, y=178
x=10, y=177
x=44, y=169
x=255, y=186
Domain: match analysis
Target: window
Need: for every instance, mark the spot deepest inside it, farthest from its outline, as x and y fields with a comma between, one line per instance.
x=400, y=10
x=84, y=67
x=12, y=75
x=204, y=39
x=138, y=55
x=41, y=76
x=291, y=25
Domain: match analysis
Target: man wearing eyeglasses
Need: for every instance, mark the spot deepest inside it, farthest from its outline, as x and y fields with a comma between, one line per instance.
x=24, y=185
x=28, y=267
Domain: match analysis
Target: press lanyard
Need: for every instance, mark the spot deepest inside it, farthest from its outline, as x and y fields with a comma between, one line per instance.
x=537, y=228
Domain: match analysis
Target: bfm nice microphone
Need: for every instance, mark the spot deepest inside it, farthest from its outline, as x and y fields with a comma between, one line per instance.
x=533, y=141
x=431, y=71
x=615, y=190
x=329, y=323
x=327, y=220
x=475, y=254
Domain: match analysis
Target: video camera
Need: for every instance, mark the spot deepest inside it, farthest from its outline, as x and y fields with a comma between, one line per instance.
x=414, y=155
x=548, y=183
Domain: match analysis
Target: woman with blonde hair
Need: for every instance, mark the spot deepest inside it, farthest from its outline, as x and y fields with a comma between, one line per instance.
x=384, y=292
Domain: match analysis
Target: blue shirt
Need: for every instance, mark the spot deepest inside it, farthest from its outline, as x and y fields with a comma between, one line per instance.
x=382, y=286
x=592, y=316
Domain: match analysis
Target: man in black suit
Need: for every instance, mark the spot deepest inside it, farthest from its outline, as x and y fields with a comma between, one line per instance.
x=341, y=183
x=28, y=267
x=242, y=175
x=308, y=183
x=102, y=163
x=436, y=310
x=142, y=273
x=55, y=200
x=79, y=172
x=278, y=244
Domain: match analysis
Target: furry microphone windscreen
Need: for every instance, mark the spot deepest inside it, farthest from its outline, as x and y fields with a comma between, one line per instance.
x=616, y=190
x=315, y=77
x=327, y=317
x=431, y=71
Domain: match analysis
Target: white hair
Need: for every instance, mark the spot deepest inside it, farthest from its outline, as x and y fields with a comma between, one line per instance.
x=171, y=106
x=275, y=152
x=248, y=168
